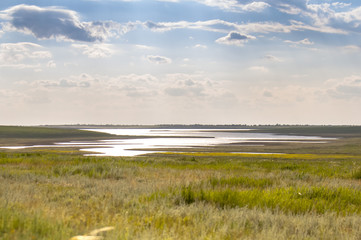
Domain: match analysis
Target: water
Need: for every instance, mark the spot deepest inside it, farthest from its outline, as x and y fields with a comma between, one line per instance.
x=145, y=141
x=183, y=138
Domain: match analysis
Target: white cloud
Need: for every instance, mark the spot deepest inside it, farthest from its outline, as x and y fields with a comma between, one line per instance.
x=158, y=59
x=21, y=66
x=81, y=81
x=235, y=6
x=16, y=52
x=136, y=86
x=200, y=46
x=353, y=15
x=325, y=17
x=235, y=38
x=305, y=41
x=341, y=4
x=167, y=0
x=272, y=58
x=186, y=87
x=217, y=25
x=191, y=85
x=351, y=49
x=22, y=55
x=289, y=9
x=347, y=88
x=144, y=47
x=51, y=64
x=254, y=6
x=100, y=50
x=260, y=69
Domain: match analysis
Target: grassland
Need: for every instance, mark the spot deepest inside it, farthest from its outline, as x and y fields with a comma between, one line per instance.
x=15, y=135
x=311, y=191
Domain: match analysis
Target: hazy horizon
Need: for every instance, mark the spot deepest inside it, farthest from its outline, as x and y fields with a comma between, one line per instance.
x=180, y=62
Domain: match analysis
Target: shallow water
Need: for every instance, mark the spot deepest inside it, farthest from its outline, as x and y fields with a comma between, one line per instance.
x=142, y=141
x=183, y=138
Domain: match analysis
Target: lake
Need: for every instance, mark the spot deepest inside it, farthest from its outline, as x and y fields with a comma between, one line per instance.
x=148, y=139
x=135, y=142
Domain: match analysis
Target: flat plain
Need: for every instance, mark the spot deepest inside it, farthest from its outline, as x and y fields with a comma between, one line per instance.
x=307, y=191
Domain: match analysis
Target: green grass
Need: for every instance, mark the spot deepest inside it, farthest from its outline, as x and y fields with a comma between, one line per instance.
x=246, y=182
x=44, y=132
x=15, y=135
x=312, y=193
x=20, y=225
x=326, y=131
x=301, y=200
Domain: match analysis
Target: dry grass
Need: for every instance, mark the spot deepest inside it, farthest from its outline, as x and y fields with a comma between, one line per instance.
x=49, y=194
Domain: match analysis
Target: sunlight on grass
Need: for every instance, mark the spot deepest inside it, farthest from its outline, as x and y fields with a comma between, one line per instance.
x=267, y=155
x=60, y=195
x=289, y=200
x=93, y=234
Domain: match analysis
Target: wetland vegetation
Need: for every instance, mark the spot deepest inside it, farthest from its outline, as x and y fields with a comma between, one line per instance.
x=308, y=191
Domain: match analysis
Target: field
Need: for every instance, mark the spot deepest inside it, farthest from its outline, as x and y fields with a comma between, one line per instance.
x=308, y=191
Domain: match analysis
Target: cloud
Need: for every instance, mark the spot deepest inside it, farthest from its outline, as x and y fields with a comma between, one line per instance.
x=289, y=9
x=235, y=6
x=16, y=52
x=22, y=55
x=348, y=20
x=54, y=22
x=235, y=38
x=286, y=95
x=340, y=4
x=217, y=25
x=189, y=85
x=351, y=49
x=336, y=17
x=51, y=64
x=21, y=66
x=200, y=46
x=347, y=88
x=100, y=50
x=158, y=59
x=81, y=81
x=64, y=24
x=144, y=47
x=305, y=41
x=134, y=85
x=327, y=17
x=272, y=58
x=186, y=88
x=137, y=95
x=260, y=69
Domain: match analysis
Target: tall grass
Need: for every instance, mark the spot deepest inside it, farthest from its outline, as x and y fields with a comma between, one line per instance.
x=51, y=194
x=16, y=224
x=289, y=200
x=246, y=182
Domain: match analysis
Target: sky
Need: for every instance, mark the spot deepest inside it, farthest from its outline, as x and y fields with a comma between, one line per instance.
x=180, y=62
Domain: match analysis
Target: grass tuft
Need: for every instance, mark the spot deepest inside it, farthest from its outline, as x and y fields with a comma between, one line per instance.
x=289, y=200
x=245, y=182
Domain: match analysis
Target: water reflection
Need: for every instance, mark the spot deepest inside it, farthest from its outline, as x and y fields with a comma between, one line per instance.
x=183, y=138
x=142, y=141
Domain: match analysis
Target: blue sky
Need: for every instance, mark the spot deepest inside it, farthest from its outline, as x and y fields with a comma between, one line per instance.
x=192, y=61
